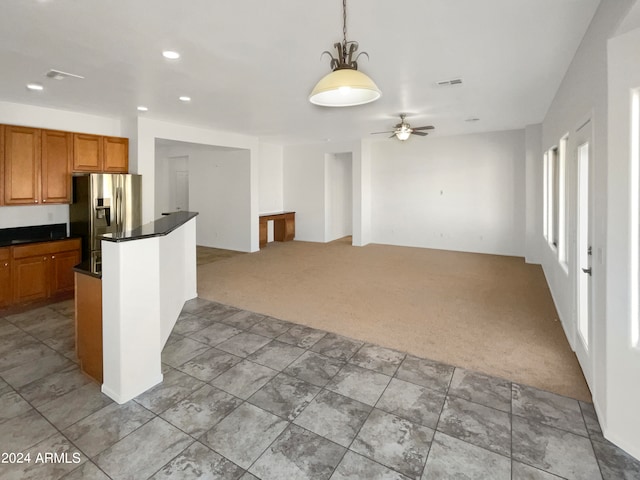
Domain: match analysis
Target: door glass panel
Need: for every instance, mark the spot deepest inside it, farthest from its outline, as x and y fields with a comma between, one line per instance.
x=583, y=243
x=635, y=219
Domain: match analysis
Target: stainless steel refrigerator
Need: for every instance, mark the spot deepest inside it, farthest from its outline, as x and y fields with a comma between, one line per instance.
x=104, y=203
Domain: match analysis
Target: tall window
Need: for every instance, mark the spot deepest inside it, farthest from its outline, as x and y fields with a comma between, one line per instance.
x=635, y=219
x=554, y=187
x=545, y=196
x=562, y=202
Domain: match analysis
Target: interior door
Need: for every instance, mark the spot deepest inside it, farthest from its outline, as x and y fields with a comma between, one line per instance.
x=584, y=316
x=182, y=191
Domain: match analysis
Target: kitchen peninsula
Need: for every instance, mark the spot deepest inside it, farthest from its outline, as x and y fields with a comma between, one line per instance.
x=146, y=276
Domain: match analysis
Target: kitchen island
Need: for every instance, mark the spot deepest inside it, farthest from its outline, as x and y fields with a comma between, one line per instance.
x=146, y=276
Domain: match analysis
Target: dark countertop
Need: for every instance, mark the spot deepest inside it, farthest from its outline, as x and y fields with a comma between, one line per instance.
x=13, y=243
x=157, y=228
x=87, y=269
x=33, y=234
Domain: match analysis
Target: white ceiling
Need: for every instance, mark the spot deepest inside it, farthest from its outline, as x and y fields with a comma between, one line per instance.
x=249, y=65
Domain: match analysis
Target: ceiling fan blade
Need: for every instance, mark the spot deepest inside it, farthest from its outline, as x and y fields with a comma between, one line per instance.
x=392, y=136
x=427, y=127
x=421, y=134
x=376, y=133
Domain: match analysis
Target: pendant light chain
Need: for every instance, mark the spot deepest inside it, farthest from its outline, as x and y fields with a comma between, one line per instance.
x=345, y=86
x=344, y=23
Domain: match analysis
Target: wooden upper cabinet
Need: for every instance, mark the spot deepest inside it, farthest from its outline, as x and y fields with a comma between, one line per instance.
x=116, y=154
x=57, y=157
x=21, y=165
x=87, y=153
x=95, y=153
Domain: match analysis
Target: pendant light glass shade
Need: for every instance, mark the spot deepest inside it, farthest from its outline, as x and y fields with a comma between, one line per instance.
x=345, y=87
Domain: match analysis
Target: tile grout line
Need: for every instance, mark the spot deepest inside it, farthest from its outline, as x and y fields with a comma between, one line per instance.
x=306, y=349
x=591, y=441
x=435, y=428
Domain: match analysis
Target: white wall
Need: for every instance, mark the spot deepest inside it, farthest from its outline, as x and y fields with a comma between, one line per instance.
x=270, y=178
x=169, y=160
x=304, y=183
x=149, y=129
x=534, y=193
x=338, y=195
x=219, y=189
x=361, y=159
x=622, y=357
x=304, y=191
x=41, y=117
x=463, y=193
x=583, y=96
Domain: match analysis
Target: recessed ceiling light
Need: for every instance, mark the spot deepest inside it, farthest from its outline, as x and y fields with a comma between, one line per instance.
x=142, y=108
x=184, y=98
x=170, y=54
x=36, y=87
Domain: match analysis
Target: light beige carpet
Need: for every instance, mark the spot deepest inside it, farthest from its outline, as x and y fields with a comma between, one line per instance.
x=206, y=255
x=488, y=313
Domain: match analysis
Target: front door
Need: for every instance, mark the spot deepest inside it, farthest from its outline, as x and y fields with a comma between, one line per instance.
x=583, y=344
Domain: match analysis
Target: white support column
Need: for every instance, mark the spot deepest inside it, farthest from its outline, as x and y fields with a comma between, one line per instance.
x=145, y=283
x=362, y=195
x=130, y=317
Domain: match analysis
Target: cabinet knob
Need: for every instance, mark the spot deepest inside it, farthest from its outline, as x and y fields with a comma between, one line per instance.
x=45, y=259
x=35, y=201
x=53, y=256
x=44, y=201
x=6, y=264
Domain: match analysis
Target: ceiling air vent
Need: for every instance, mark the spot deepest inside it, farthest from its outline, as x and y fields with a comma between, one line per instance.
x=59, y=75
x=448, y=83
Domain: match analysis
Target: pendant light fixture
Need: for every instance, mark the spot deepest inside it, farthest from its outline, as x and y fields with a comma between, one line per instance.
x=345, y=86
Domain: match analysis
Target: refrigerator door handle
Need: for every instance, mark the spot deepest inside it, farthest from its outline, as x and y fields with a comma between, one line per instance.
x=119, y=208
x=122, y=211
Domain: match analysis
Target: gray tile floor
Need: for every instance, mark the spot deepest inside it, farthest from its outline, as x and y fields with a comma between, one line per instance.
x=246, y=396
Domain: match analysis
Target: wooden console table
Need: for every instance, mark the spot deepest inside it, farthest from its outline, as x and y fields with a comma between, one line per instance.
x=284, y=226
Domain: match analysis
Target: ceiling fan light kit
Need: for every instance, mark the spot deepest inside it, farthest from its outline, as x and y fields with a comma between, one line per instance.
x=403, y=134
x=345, y=86
x=403, y=130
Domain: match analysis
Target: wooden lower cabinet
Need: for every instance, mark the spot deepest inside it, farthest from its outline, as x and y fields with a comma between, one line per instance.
x=30, y=279
x=5, y=277
x=61, y=273
x=88, y=308
x=43, y=270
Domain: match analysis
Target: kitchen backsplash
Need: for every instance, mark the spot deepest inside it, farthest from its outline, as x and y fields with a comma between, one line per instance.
x=29, y=215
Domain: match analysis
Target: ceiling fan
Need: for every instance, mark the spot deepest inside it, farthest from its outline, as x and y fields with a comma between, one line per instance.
x=402, y=131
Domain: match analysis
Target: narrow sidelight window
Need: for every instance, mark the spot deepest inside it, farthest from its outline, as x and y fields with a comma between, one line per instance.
x=635, y=219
